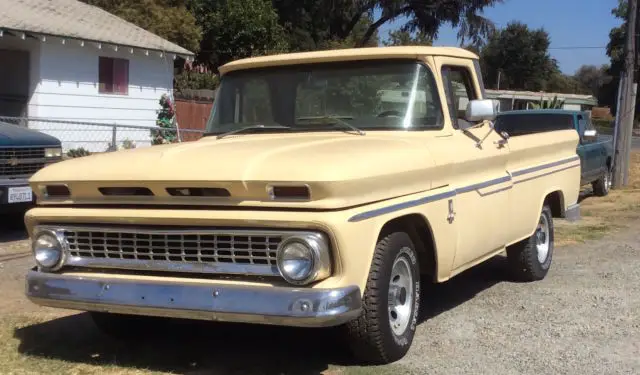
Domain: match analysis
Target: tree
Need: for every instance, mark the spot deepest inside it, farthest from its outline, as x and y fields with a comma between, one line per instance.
x=316, y=24
x=522, y=57
x=352, y=39
x=309, y=23
x=236, y=29
x=590, y=78
x=405, y=38
x=427, y=16
x=169, y=19
x=607, y=94
x=562, y=83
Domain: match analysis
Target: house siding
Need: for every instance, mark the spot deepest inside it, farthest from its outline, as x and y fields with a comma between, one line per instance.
x=67, y=90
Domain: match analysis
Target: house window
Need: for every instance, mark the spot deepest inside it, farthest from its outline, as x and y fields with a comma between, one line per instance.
x=114, y=76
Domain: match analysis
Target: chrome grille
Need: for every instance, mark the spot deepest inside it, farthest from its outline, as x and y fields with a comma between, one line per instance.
x=21, y=161
x=197, y=247
x=178, y=250
x=20, y=170
x=22, y=153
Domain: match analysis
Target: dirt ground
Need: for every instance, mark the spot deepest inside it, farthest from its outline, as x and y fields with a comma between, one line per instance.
x=584, y=318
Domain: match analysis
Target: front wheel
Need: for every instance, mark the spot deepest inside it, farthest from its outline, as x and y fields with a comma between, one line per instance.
x=530, y=259
x=384, y=331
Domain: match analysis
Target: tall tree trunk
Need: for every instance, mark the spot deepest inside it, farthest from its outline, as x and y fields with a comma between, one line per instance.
x=372, y=29
x=374, y=26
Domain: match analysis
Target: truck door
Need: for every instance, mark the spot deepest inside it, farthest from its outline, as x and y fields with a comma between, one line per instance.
x=480, y=178
x=589, y=152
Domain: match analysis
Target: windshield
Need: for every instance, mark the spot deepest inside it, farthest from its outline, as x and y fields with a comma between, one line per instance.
x=368, y=95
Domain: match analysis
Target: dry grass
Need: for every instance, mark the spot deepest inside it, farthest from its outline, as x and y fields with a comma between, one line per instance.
x=604, y=215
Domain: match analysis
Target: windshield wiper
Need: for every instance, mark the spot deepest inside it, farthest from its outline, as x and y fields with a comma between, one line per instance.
x=338, y=119
x=250, y=127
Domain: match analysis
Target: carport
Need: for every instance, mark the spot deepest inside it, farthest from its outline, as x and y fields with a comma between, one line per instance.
x=16, y=63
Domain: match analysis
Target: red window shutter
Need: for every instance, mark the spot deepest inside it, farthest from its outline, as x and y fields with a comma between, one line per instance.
x=121, y=76
x=105, y=79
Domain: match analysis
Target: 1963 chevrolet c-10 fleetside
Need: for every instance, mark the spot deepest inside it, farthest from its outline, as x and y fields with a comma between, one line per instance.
x=306, y=203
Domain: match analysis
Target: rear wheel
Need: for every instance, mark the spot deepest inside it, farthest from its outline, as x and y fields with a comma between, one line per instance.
x=384, y=331
x=530, y=259
x=602, y=186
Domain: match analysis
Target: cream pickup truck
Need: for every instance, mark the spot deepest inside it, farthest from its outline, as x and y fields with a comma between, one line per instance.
x=306, y=203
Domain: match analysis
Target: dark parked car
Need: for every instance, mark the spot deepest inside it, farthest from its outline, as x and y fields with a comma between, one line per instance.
x=595, y=152
x=22, y=153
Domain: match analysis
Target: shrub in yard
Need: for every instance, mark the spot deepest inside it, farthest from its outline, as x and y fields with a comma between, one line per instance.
x=128, y=144
x=166, y=116
x=602, y=123
x=555, y=103
x=78, y=152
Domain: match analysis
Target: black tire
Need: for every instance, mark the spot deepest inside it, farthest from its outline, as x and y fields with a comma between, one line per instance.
x=602, y=185
x=523, y=257
x=124, y=327
x=371, y=336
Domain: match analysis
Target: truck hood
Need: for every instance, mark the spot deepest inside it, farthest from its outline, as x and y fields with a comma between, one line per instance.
x=340, y=169
x=16, y=135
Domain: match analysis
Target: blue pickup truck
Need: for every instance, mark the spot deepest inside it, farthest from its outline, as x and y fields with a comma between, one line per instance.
x=22, y=153
x=595, y=152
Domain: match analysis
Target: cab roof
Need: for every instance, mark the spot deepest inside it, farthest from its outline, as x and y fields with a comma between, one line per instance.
x=350, y=54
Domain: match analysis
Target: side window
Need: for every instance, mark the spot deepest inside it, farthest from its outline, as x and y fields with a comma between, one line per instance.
x=459, y=90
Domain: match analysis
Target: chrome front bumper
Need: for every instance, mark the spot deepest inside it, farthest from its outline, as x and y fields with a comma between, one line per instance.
x=227, y=303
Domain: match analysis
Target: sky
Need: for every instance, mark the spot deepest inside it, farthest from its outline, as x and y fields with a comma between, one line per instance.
x=570, y=24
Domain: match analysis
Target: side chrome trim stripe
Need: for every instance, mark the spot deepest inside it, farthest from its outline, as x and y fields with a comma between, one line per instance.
x=546, y=174
x=544, y=166
x=465, y=189
x=400, y=206
x=482, y=185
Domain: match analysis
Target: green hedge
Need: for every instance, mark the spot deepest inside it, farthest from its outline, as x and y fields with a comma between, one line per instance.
x=602, y=123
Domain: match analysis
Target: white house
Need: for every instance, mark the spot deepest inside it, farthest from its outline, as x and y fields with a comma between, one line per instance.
x=64, y=62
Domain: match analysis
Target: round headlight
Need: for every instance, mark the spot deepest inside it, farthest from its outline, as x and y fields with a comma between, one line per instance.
x=47, y=250
x=296, y=261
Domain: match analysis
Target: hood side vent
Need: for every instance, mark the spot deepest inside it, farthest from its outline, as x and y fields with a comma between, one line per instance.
x=198, y=192
x=125, y=191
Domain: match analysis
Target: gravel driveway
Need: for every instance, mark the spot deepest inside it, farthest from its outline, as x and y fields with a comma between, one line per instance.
x=584, y=318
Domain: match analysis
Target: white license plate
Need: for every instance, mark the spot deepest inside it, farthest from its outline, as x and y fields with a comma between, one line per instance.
x=19, y=194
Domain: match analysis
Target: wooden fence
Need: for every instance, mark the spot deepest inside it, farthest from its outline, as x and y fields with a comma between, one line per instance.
x=192, y=114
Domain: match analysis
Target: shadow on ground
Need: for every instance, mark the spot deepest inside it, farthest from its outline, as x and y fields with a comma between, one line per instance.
x=12, y=228
x=213, y=348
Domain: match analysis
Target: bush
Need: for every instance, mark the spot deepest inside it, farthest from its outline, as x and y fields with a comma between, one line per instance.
x=603, y=123
x=78, y=152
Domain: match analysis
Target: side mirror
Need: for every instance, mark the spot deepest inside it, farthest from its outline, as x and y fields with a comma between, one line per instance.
x=482, y=110
x=590, y=135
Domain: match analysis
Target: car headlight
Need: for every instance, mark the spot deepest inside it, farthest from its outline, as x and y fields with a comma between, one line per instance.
x=304, y=259
x=47, y=250
x=55, y=152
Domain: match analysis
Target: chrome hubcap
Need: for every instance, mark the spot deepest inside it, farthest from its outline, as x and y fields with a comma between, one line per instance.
x=607, y=180
x=542, y=239
x=400, y=295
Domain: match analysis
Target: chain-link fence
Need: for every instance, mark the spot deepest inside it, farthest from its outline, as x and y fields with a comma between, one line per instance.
x=80, y=136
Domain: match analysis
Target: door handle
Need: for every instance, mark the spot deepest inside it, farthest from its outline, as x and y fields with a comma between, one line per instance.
x=500, y=143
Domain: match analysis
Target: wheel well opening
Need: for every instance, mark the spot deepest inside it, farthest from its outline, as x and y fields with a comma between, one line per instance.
x=555, y=201
x=609, y=162
x=418, y=228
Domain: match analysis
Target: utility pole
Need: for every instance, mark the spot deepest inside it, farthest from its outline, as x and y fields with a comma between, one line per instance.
x=626, y=111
